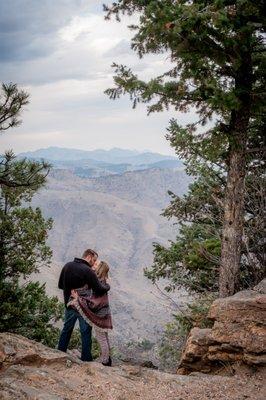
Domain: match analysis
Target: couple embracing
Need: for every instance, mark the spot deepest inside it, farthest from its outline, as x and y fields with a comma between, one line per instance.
x=85, y=285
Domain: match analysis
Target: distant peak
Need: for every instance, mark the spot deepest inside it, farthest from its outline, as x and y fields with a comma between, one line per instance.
x=115, y=155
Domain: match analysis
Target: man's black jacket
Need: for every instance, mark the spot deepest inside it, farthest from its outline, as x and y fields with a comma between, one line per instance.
x=78, y=273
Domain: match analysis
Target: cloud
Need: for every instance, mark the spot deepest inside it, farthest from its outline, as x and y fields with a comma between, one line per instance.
x=121, y=48
x=28, y=28
x=60, y=51
x=49, y=41
x=75, y=48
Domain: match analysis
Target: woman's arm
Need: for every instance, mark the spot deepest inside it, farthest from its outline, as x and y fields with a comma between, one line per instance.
x=97, y=286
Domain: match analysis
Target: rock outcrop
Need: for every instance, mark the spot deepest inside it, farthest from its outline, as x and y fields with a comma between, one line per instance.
x=31, y=371
x=16, y=349
x=238, y=334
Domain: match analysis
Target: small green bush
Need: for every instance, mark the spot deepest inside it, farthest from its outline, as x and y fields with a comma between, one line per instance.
x=176, y=332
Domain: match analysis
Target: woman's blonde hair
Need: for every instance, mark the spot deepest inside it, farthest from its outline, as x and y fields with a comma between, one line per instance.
x=102, y=270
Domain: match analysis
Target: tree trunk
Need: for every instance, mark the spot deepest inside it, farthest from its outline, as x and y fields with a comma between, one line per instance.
x=233, y=221
x=235, y=188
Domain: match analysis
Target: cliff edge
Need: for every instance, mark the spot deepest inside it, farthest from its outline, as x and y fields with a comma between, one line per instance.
x=31, y=371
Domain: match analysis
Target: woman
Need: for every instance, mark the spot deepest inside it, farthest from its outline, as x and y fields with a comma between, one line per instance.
x=96, y=311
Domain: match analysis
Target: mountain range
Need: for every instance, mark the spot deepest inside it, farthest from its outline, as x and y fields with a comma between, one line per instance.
x=112, y=156
x=97, y=163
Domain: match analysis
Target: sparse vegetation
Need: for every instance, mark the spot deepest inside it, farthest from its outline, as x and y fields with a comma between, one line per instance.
x=176, y=332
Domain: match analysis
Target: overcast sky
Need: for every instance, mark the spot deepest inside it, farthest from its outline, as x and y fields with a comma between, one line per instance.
x=61, y=52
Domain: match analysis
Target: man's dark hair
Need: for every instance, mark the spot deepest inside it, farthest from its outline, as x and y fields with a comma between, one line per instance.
x=89, y=252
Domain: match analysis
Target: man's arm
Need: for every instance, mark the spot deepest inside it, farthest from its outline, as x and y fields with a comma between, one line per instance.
x=97, y=286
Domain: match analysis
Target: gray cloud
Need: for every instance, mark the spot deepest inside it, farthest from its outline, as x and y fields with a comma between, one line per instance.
x=47, y=41
x=27, y=27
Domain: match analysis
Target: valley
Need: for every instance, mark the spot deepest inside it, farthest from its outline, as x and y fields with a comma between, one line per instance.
x=118, y=216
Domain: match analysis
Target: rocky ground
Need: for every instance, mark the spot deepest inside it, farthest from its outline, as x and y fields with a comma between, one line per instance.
x=31, y=371
x=231, y=353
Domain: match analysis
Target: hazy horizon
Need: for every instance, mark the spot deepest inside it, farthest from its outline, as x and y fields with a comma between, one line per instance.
x=99, y=149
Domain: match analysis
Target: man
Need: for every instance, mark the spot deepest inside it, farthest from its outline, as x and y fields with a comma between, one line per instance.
x=74, y=275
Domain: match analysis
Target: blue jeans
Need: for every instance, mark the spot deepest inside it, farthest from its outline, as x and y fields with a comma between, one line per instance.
x=71, y=317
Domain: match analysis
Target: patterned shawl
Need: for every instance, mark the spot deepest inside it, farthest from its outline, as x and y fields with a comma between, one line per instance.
x=95, y=310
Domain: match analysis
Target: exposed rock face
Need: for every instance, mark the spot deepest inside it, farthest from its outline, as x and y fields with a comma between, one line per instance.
x=31, y=371
x=238, y=333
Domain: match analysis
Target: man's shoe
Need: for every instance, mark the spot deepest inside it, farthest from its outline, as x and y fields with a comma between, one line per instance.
x=108, y=364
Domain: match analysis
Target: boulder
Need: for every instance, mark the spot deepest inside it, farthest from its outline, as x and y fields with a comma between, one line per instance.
x=194, y=357
x=16, y=349
x=246, y=306
x=261, y=287
x=238, y=334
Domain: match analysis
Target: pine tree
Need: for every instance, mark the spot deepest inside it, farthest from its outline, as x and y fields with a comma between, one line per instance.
x=218, y=57
x=25, y=307
x=192, y=259
x=12, y=101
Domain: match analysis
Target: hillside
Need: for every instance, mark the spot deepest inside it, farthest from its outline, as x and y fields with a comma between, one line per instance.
x=119, y=216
